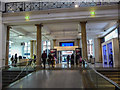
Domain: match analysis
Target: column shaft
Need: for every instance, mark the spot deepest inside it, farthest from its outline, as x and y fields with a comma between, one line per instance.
x=54, y=43
x=39, y=27
x=7, y=45
x=35, y=47
x=31, y=48
x=78, y=43
x=84, y=41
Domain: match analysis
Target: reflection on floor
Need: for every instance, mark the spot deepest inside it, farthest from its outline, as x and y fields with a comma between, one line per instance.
x=55, y=79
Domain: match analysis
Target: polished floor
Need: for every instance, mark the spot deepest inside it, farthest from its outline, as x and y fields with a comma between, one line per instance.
x=55, y=79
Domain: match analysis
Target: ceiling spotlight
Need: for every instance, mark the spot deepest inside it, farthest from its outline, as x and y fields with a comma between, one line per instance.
x=20, y=36
x=76, y=6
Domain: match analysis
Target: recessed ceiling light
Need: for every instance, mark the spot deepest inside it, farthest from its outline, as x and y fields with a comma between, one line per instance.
x=76, y=6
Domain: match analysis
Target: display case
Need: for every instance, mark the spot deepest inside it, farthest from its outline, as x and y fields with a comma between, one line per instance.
x=110, y=53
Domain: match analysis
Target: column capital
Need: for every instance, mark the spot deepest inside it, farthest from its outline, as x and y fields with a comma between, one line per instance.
x=78, y=38
x=31, y=40
x=41, y=25
x=54, y=39
x=83, y=22
x=9, y=27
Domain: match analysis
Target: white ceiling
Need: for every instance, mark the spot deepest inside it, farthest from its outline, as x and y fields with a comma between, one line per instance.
x=60, y=31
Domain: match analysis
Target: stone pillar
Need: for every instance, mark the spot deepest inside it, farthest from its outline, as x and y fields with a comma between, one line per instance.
x=119, y=40
x=54, y=43
x=35, y=47
x=78, y=42
x=3, y=34
x=98, y=50
x=84, y=41
x=7, y=45
x=31, y=48
x=51, y=44
x=39, y=41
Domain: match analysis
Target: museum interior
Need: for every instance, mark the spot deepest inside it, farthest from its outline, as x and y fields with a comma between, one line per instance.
x=60, y=44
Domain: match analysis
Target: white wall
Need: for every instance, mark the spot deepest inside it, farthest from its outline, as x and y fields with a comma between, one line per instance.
x=16, y=48
x=3, y=33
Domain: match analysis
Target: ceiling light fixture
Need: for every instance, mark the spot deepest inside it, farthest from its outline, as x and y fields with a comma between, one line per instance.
x=76, y=6
x=20, y=36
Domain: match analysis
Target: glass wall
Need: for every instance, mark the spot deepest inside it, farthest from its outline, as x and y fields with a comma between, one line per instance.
x=46, y=46
x=27, y=50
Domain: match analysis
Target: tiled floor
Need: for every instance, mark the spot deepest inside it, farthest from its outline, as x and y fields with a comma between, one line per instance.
x=54, y=79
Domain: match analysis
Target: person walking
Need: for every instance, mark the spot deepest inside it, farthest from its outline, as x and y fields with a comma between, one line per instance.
x=44, y=56
x=68, y=58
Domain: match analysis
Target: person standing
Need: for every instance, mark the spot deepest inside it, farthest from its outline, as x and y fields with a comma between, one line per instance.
x=15, y=59
x=44, y=56
x=68, y=58
x=77, y=58
x=52, y=60
x=12, y=59
x=72, y=59
x=49, y=59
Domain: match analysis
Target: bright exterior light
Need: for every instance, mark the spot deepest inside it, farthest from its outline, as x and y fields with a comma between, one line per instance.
x=92, y=13
x=27, y=18
x=76, y=6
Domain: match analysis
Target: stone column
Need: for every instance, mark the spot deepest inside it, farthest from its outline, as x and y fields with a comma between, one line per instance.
x=7, y=45
x=98, y=50
x=78, y=42
x=35, y=47
x=119, y=41
x=84, y=41
x=31, y=48
x=39, y=41
x=54, y=43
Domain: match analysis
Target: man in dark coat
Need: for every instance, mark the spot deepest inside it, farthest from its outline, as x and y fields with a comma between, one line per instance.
x=44, y=56
x=68, y=58
x=72, y=59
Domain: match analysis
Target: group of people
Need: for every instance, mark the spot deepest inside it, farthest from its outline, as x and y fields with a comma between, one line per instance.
x=14, y=60
x=50, y=59
x=77, y=60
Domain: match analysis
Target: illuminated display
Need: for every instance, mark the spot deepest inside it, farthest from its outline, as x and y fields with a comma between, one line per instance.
x=64, y=44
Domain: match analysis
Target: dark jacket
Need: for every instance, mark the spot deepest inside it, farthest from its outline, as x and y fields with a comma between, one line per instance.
x=72, y=56
x=44, y=56
x=50, y=56
x=68, y=57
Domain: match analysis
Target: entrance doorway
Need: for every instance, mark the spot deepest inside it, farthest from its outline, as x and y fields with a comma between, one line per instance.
x=64, y=55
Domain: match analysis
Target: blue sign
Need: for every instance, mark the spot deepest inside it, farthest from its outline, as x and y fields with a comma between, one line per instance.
x=67, y=44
